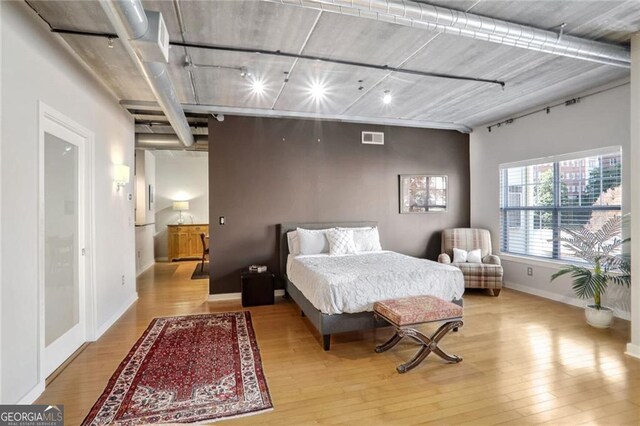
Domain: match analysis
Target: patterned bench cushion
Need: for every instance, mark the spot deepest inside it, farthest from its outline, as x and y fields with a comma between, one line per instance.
x=417, y=309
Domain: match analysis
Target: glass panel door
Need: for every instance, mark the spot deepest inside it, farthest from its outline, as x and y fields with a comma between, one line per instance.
x=61, y=287
x=62, y=219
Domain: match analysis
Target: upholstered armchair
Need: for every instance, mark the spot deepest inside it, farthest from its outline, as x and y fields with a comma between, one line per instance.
x=488, y=273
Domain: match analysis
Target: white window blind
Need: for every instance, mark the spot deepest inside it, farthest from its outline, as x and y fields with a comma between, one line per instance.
x=538, y=199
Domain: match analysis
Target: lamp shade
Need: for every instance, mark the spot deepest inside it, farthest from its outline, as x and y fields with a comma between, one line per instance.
x=181, y=205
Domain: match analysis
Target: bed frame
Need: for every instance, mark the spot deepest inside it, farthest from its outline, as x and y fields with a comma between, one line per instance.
x=326, y=324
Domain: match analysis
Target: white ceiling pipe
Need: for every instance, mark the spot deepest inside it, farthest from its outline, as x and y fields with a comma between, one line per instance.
x=161, y=139
x=130, y=22
x=449, y=21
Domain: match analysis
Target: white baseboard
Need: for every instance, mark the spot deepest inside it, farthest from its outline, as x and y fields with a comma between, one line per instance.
x=573, y=301
x=236, y=296
x=145, y=267
x=32, y=395
x=162, y=259
x=633, y=350
x=104, y=327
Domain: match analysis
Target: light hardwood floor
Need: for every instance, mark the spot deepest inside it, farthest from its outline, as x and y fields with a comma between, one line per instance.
x=526, y=360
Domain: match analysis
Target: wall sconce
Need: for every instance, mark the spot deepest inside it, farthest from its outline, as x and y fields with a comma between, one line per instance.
x=120, y=175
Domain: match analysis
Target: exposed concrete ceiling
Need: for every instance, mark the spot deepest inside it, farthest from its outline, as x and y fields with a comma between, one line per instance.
x=532, y=78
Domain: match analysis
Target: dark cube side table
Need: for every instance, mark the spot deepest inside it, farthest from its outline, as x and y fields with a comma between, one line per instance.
x=257, y=288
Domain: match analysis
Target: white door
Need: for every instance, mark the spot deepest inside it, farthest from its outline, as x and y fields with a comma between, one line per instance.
x=62, y=223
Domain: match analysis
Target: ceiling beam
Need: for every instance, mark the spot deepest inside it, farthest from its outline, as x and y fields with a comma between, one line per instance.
x=259, y=112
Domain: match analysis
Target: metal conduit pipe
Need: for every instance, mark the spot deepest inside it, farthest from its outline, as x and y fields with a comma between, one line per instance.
x=434, y=18
x=130, y=22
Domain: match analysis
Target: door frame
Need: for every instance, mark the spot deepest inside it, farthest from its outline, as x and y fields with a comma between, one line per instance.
x=86, y=202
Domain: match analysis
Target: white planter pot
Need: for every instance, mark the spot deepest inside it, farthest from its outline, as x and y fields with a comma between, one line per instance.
x=599, y=318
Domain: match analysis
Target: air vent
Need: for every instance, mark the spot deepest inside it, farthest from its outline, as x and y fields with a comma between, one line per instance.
x=373, y=138
x=154, y=45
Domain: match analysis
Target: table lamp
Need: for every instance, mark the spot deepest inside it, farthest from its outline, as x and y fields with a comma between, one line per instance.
x=181, y=206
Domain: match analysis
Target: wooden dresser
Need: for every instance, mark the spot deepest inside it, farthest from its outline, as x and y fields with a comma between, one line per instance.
x=184, y=241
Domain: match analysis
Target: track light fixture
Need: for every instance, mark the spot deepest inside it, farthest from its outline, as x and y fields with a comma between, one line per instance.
x=318, y=91
x=386, y=99
x=245, y=73
x=257, y=86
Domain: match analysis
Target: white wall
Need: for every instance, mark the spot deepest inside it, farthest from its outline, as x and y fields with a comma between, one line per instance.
x=180, y=176
x=145, y=176
x=145, y=211
x=598, y=121
x=1, y=118
x=145, y=257
x=37, y=67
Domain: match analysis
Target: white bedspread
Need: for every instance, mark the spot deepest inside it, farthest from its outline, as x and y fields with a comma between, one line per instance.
x=352, y=283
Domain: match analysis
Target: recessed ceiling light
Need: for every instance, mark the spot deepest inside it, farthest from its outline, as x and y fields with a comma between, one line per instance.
x=387, y=97
x=318, y=91
x=257, y=86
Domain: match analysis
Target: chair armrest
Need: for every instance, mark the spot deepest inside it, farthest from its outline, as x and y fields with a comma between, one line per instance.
x=492, y=259
x=444, y=258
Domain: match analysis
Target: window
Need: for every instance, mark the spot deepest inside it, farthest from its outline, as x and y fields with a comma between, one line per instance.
x=515, y=199
x=539, y=198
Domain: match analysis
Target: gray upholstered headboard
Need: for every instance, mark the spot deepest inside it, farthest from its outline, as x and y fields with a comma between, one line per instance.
x=283, y=228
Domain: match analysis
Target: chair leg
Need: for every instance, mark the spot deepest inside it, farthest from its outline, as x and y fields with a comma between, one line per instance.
x=496, y=292
x=202, y=264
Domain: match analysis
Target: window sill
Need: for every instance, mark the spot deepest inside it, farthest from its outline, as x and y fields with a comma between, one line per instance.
x=551, y=264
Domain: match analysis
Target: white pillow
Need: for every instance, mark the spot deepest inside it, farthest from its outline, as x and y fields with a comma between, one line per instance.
x=341, y=241
x=459, y=256
x=313, y=241
x=474, y=256
x=293, y=242
x=366, y=239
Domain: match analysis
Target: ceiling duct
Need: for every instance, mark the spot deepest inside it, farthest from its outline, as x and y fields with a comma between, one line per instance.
x=449, y=21
x=168, y=141
x=130, y=21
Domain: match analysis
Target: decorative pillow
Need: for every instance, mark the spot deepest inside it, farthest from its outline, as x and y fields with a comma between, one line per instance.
x=459, y=256
x=366, y=239
x=313, y=241
x=293, y=242
x=341, y=241
x=474, y=256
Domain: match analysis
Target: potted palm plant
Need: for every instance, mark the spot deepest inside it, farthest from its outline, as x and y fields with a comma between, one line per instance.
x=601, y=265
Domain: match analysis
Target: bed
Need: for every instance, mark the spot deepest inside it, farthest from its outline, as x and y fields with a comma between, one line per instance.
x=336, y=293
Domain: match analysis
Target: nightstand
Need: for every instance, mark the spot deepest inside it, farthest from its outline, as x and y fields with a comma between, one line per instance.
x=257, y=288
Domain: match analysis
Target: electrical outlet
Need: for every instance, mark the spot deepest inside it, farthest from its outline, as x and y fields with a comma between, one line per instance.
x=123, y=280
x=530, y=271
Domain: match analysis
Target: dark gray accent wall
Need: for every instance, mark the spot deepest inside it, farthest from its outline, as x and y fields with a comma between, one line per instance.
x=265, y=171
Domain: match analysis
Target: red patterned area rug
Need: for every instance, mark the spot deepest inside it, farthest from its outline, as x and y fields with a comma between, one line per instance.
x=187, y=369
